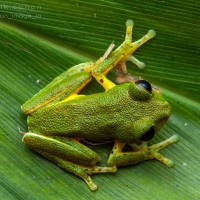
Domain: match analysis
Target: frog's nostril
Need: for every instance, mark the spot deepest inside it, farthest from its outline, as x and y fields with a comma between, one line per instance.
x=165, y=119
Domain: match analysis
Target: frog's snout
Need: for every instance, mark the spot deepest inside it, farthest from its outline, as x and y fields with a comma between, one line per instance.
x=163, y=114
x=167, y=109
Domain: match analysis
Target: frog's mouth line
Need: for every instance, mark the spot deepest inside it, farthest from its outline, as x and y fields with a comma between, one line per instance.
x=95, y=142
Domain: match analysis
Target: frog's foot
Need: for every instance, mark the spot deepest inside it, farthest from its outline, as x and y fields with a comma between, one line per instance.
x=79, y=170
x=153, y=150
x=94, y=170
x=133, y=47
x=140, y=153
x=154, y=154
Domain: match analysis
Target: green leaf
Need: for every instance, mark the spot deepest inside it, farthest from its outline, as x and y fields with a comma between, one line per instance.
x=41, y=39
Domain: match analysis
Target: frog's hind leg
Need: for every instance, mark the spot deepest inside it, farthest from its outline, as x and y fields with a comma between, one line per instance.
x=120, y=56
x=104, y=66
x=68, y=83
x=133, y=47
x=68, y=154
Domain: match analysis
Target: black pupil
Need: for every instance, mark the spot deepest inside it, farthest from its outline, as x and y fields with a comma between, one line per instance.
x=148, y=135
x=144, y=84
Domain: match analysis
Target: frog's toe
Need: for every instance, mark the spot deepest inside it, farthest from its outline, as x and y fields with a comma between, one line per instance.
x=151, y=33
x=163, y=159
x=156, y=147
x=139, y=64
x=97, y=169
x=175, y=138
x=109, y=169
x=90, y=183
x=170, y=163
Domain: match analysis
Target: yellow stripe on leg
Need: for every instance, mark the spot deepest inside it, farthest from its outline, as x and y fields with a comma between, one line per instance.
x=106, y=83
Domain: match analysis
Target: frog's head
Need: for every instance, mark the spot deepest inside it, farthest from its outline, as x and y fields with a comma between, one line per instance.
x=152, y=110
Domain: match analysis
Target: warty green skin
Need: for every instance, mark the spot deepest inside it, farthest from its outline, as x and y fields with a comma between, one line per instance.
x=124, y=113
x=58, y=118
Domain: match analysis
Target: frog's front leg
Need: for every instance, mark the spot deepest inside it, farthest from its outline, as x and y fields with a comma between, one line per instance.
x=68, y=154
x=143, y=152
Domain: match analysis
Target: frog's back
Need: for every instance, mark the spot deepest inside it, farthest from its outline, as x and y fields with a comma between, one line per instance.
x=97, y=115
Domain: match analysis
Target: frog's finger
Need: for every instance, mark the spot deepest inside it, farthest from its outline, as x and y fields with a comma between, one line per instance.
x=167, y=142
x=163, y=159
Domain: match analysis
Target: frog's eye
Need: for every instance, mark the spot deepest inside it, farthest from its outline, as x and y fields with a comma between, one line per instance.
x=144, y=84
x=148, y=135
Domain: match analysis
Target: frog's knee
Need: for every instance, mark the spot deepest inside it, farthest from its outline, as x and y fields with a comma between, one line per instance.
x=83, y=67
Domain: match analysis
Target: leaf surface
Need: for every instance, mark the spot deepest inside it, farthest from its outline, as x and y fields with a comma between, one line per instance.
x=41, y=39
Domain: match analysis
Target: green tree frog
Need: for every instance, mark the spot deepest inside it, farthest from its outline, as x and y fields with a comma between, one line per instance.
x=59, y=118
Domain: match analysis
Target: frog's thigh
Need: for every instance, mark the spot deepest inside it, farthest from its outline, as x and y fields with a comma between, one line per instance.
x=63, y=147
